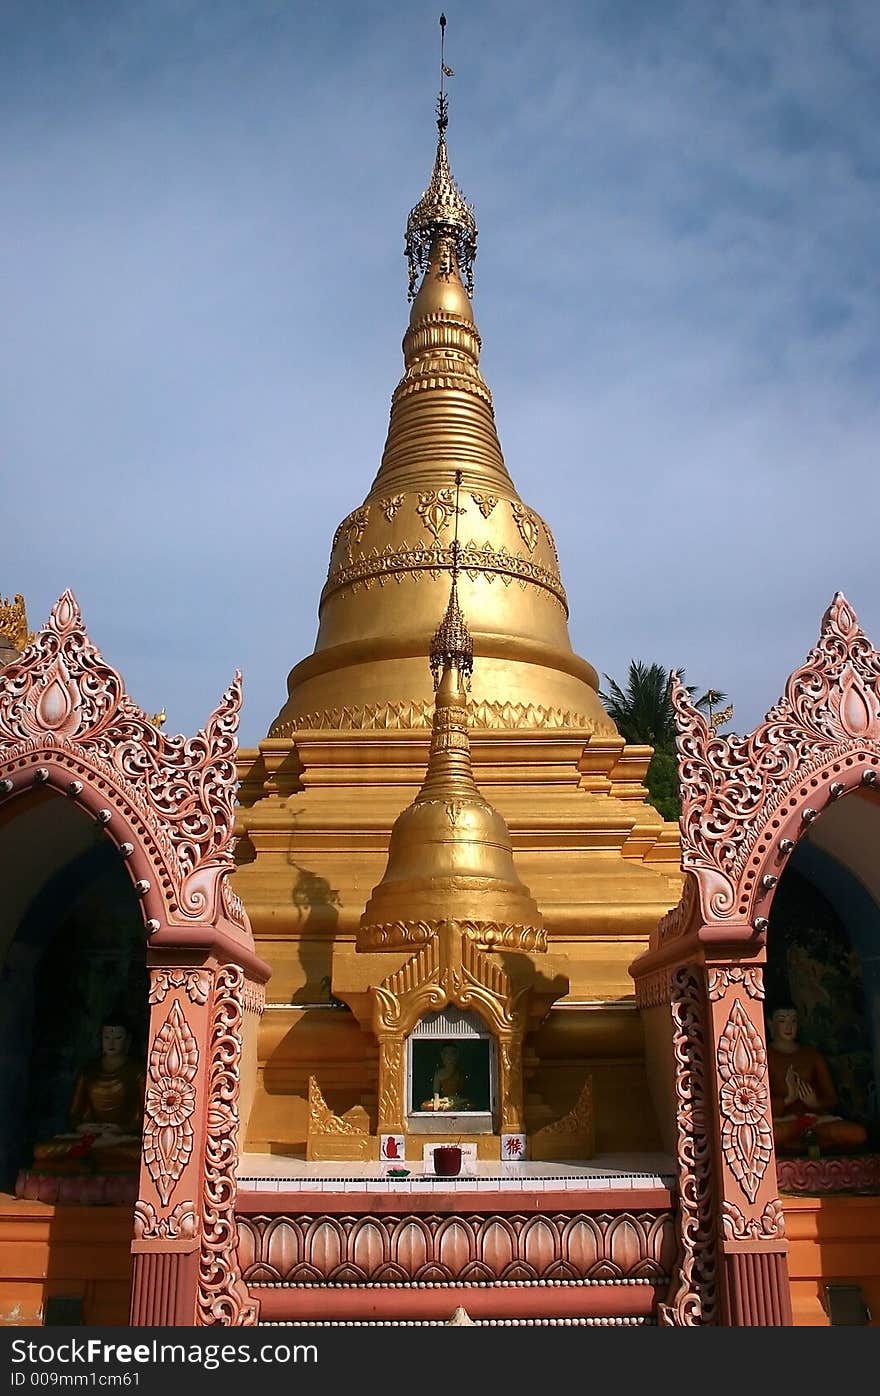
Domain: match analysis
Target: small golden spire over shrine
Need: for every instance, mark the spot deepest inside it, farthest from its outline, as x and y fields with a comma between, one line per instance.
x=442, y=215
x=452, y=646
x=450, y=853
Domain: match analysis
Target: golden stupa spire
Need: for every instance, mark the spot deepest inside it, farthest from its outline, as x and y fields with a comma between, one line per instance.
x=442, y=471
x=442, y=214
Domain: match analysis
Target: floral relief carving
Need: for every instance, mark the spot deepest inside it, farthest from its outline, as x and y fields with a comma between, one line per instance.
x=527, y=523
x=391, y=1085
x=731, y=785
x=181, y=1224
x=310, y=1249
x=406, y=563
x=435, y=508
x=746, y=1133
x=356, y=526
x=233, y=905
x=196, y=984
x=488, y=935
x=693, y=1298
x=749, y=977
x=390, y=505
x=223, y=1298
x=856, y=1173
x=62, y=694
x=510, y=1052
x=737, y=1227
x=485, y=503
x=170, y=1102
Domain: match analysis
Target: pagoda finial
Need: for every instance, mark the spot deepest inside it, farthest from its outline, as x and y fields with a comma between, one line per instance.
x=452, y=646
x=442, y=212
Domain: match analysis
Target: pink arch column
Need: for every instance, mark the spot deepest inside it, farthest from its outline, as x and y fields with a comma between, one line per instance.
x=702, y=1003
x=168, y=805
x=746, y=802
x=206, y=994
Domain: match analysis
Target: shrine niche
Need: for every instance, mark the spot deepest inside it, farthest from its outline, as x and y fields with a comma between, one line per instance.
x=451, y=1073
x=798, y=792
x=814, y=969
x=129, y=960
x=74, y=954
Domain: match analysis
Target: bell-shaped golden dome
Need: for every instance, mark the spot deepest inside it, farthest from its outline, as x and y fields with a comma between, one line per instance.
x=450, y=855
x=391, y=558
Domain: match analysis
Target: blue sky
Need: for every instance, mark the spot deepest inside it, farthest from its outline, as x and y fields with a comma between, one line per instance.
x=678, y=289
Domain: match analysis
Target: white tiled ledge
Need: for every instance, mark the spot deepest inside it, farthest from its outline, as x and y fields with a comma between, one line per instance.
x=420, y=1185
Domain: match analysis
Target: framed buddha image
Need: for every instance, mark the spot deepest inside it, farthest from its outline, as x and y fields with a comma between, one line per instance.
x=451, y=1074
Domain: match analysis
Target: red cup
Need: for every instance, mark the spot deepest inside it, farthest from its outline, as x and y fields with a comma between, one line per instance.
x=447, y=1160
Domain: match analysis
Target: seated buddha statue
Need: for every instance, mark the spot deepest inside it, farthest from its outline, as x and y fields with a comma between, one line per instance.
x=449, y=1082
x=106, y=1113
x=802, y=1093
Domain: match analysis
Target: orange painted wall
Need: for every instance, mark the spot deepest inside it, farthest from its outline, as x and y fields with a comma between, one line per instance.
x=48, y=1250
x=832, y=1239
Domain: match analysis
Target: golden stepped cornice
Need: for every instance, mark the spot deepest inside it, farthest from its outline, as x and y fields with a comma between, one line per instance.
x=411, y=716
x=486, y=935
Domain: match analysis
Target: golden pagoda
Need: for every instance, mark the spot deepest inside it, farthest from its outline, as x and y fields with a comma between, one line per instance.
x=349, y=750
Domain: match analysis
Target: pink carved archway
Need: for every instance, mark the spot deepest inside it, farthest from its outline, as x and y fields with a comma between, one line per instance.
x=66, y=722
x=746, y=801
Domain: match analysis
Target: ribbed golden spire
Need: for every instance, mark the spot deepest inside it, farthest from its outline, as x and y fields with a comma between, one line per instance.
x=391, y=557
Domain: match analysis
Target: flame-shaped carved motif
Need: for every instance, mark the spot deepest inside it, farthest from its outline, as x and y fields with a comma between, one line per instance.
x=170, y=1102
x=746, y=1135
x=527, y=524
x=57, y=707
x=436, y=508
x=855, y=705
